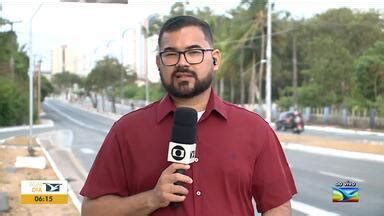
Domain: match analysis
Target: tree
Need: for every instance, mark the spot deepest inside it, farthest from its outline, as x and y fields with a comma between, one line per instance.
x=369, y=78
x=327, y=46
x=13, y=103
x=13, y=80
x=105, y=79
x=46, y=88
x=64, y=82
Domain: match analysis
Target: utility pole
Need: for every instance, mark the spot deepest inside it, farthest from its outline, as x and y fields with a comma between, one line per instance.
x=294, y=65
x=268, y=86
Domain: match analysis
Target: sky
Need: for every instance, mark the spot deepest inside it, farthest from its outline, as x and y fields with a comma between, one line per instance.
x=96, y=29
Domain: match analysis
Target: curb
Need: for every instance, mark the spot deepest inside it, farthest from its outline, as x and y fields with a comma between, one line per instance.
x=71, y=193
x=333, y=152
x=342, y=130
x=49, y=123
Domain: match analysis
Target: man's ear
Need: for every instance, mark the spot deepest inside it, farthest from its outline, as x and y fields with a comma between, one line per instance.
x=216, y=57
x=158, y=61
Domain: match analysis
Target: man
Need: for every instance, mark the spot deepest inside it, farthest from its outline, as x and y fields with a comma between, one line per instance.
x=238, y=155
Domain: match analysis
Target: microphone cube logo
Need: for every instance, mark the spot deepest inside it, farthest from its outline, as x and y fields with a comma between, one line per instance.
x=181, y=153
x=345, y=192
x=178, y=153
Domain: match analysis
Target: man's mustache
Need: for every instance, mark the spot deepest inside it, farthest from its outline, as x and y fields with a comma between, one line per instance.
x=183, y=70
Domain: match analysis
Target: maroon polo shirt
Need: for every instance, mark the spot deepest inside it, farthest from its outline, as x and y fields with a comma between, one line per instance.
x=238, y=156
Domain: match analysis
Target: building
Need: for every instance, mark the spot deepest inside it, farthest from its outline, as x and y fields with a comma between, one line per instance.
x=67, y=59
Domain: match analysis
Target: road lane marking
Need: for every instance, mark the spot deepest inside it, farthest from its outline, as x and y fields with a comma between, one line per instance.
x=82, y=124
x=340, y=176
x=334, y=152
x=310, y=210
x=87, y=151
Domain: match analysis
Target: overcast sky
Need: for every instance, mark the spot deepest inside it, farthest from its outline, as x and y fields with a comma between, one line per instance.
x=91, y=27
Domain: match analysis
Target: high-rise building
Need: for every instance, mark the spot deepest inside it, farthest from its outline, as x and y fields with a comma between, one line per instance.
x=68, y=59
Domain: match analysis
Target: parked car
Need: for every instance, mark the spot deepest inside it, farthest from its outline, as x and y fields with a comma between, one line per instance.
x=291, y=120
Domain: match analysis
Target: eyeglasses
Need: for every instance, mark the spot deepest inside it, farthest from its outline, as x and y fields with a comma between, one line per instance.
x=192, y=56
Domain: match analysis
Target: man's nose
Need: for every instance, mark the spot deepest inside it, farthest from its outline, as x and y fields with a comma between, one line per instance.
x=182, y=61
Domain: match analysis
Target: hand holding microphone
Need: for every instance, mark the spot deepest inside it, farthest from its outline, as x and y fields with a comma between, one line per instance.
x=181, y=151
x=182, y=147
x=165, y=191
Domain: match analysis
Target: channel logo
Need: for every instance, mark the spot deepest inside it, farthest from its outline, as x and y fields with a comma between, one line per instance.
x=345, y=192
x=44, y=192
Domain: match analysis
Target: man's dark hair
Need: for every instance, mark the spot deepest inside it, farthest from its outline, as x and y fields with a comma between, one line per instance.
x=178, y=22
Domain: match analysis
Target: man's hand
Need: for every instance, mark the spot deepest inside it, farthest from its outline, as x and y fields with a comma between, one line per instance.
x=143, y=203
x=165, y=190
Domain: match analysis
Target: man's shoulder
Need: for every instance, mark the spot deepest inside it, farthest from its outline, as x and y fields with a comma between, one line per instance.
x=140, y=114
x=238, y=112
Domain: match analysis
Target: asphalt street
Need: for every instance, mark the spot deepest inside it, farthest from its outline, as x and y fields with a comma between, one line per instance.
x=315, y=174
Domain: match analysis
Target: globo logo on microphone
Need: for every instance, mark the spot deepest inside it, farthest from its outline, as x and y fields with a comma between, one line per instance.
x=181, y=153
x=178, y=153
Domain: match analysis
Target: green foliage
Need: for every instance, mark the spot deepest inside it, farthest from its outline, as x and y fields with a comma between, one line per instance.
x=107, y=76
x=285, y=102
x=13, y=80
x=133, y=92
x=156, y=91
x=369, y=78
x=46, y=88
x=65, y=80
x=332, y=70
x=13, y=103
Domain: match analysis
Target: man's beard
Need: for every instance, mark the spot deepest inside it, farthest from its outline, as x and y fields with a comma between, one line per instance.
x=176, y=91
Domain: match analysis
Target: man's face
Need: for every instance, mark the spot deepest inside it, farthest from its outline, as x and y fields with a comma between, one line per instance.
x=186, y=80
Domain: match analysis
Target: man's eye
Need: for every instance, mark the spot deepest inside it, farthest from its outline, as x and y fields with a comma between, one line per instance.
x=194, y=52
x=170, y=54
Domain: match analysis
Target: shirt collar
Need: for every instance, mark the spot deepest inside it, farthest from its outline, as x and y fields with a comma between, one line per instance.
x=215, y=103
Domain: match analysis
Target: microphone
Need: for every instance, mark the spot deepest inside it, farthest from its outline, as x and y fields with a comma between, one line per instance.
x=182, y=146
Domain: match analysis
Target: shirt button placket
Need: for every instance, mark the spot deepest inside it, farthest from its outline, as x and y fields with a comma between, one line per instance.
x=197, y=199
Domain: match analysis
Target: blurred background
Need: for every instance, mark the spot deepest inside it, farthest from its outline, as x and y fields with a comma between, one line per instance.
x=80, y=65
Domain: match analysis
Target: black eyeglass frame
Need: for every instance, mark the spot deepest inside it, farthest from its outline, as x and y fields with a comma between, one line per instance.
x=183, y=52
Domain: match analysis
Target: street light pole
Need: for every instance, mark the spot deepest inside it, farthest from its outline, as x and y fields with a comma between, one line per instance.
x=268, y=88
x=30, y=75
x=122, y=59
x=146, y=61
x=146, y=26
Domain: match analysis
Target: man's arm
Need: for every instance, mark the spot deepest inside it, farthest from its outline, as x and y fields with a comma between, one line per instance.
x=281, y=210
x=138, y=204
x=143, y=203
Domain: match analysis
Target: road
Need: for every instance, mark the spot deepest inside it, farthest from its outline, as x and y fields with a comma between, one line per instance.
x=314, y=174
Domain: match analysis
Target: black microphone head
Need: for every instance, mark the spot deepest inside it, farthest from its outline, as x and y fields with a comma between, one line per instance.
x=184, y=125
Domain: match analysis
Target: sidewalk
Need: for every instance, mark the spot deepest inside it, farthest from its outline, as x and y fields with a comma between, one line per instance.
x=10, y=178
x=325, y=142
